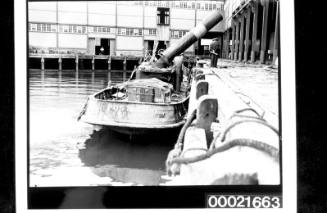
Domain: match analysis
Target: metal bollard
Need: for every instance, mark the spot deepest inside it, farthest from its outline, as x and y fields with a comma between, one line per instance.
x=207, y=112
x=202, y=88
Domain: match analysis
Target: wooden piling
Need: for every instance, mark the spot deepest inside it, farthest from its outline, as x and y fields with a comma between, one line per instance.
x=247, y=34
x=125, y=68
x=93, y=63
x=240, y=54
x=237, y=37
x=42, y=63
x=60, y=63
x=254, y=30
x=276, y=38
x=233, y=40
x=264, y=32
x=125, y=63
x=76, y=62
x=109, y=63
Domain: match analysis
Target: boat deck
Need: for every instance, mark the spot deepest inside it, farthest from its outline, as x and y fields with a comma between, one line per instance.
x=175, y=97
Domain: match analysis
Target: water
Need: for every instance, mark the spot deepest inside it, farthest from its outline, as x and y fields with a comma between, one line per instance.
x=65, y=152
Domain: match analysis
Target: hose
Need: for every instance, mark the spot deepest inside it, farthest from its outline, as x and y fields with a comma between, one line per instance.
x=270, y=150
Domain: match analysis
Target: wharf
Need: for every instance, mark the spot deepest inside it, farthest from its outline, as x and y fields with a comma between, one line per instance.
x=81, y=61
x=232, y=140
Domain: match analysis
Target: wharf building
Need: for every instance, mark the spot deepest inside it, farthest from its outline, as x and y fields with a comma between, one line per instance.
x=117, y=28
x=251, y=30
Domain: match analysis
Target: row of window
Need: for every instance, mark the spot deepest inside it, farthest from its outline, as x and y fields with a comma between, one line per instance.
x=42, y=27
x=78, y=29
x=177, y=33
x=96, y=29
x=150, y=32
x=129, y=31
x=72, y=29
x=184, y=4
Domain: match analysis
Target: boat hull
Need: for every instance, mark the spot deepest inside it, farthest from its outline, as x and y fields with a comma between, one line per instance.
x=135, y=117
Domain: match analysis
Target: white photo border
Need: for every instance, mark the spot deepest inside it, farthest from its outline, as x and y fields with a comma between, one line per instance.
x=288, y=110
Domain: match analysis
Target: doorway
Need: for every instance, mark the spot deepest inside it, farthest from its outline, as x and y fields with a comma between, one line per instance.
x=161, y=45
x=103, y=48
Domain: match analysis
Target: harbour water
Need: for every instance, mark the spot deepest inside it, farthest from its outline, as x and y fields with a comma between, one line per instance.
x=65, y=152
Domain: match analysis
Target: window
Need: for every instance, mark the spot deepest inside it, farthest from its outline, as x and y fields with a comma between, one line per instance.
x=32, y=27
x=180, y=34
x=197, y=5
x=129, y=31
x=193, y=5
x=174, y=34
x=206, y=6
x=210, y=6
x=214, y=6
x=123, y=31
x=72, y=29
x=177, y=33
x=163, y=16
x=153, y=31
x=53, y=28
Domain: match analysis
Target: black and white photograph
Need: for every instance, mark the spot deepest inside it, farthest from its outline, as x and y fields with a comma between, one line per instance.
x=156, y=96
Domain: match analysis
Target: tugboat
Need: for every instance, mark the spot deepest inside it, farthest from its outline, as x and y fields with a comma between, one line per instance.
x=156, y=95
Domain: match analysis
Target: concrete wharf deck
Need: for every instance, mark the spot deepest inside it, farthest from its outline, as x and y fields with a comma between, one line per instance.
x=216, y=97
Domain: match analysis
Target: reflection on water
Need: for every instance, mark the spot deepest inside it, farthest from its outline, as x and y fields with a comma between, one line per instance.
x=140, y=160
x=64, y=152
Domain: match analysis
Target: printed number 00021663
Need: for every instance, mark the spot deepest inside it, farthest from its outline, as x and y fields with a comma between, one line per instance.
x=243, y=201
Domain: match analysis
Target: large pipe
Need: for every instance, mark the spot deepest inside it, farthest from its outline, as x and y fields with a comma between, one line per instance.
x=189, y=38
